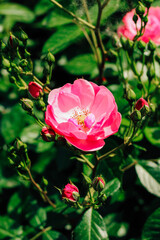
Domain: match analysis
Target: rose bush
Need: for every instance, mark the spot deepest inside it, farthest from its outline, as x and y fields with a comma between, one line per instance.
x=152, y=29
x=84, y=113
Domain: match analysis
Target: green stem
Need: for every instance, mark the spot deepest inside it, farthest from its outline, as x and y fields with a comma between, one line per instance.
x=129, y=166
x=44, y=193
x=41, y=233
x=108, y=153
x=87, y=161
x=92, y=32
x=73, y=15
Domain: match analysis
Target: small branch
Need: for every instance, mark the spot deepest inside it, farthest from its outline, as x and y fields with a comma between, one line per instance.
x=129, y=166
x=41, y=233
x=44, y=193
x=87, y=162
x=73, y=15
x=108, y=153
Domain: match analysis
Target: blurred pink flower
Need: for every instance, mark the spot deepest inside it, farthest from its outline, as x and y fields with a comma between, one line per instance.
x=70, y=192
x=84, y=113
x=48, y=134
x=34, y=89
x=140, y=103
x=152, y=29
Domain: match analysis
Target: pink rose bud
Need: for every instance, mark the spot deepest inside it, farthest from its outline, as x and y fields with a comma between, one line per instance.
x=70, y=193
x=140, y=103
x=34, y=89
x=98, y=183
x=48, y=134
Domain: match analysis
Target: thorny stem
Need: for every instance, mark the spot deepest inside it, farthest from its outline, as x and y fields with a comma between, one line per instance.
x=44, y=193
x=73, y=15
x=99, y=39
x=92, y=32
x=41, y=233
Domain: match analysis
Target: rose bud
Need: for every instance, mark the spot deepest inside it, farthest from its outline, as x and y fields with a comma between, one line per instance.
x=98, y=183
x=48, y=134
x=34, y=89
x=136, y=116
x=70, y=193
x=13, y=41
x=27, y=105
x=140, y=103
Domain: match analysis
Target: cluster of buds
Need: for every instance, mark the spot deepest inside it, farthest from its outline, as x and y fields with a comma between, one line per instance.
x=142, y=109
x=71, y=195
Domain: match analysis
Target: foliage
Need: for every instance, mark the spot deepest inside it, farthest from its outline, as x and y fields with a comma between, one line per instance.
x=30, y=174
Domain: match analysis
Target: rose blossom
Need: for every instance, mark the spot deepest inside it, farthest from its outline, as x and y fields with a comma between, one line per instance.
x=70, y=192
x=152, y=29
x=83, y=113
x=34, y=89
x=140, y=103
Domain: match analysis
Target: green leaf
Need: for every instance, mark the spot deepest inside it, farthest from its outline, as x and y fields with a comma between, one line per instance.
x=82, y=64
x=151, y=230
x=18, y=12
x=39, y=218
x=91, y=227
x=152, y=134
x=61, y=39
x=111, y=7
x=30, y=133
x=111, y=187
x=149, y=175
x=42, y=7
x=53, y=235
x=55, y=19
x=12, y=123
x=14, y=204
x=9, y=229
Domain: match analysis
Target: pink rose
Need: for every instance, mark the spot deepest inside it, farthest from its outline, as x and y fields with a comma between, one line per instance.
x=140, y=103
x=83, y=113
x=34, y=89
x=70, y=192
x=152, y=29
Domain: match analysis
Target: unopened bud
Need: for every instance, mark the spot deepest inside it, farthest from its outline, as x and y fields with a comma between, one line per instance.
x=19, y=145
x=70, y=193
x=48, y=134
x=145, y=110
x=123, y=41
x=136, y=116
x=5, y=63
x=140, y=9
x=140, y=103
x=98, y=184
x=145, y=19
x=151, y=46
x=27, y=105
x=135, y=18
x=22, y=35
x=150, y=73
x=130, y=95
x=129, y=45
x=50, y=58
x=34, y=89
x=14, y=43
x=45, y=181
x=141, y=45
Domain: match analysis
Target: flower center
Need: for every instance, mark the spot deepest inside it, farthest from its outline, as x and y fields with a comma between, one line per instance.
x=83, y=118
